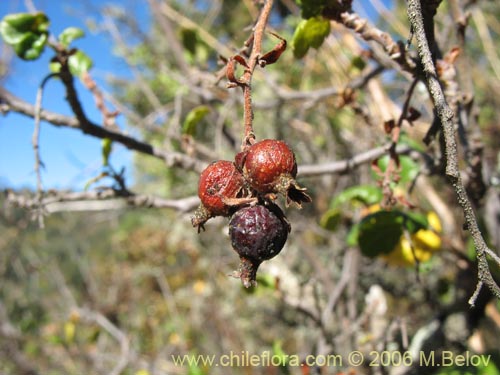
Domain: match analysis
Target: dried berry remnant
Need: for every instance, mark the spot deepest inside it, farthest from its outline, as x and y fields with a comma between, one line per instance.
x=219, y=183
x=258, y=233
x=269, y=166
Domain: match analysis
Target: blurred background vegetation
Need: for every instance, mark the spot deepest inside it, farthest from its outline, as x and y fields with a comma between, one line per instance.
x=120, y=291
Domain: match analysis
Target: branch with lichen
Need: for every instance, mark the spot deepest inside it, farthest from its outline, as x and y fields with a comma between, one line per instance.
x=445, y=115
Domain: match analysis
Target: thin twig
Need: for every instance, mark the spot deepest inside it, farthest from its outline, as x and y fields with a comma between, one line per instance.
x=253, y=61
x=445, y=115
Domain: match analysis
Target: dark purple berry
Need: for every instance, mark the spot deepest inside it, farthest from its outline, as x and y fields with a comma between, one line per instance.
x=258, y=233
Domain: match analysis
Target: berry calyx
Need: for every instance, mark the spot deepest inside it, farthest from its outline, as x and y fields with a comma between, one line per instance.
x=219, y=186
x=258, y=233
x=269, y=166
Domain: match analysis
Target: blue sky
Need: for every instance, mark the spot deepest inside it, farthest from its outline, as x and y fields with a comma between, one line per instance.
x=70, y=158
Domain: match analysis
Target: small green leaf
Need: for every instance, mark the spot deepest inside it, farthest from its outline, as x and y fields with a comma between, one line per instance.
x=358, y=63
x=309, y=33
x=79, y=63
x=189, y=39
x=331, y=219
x=193, y=118
x=409, y=169
x=366, y=194
x=26, y=33
x=107, y=146
x=279, y=354
x=194, y=369
x=267, y=281
x=69, y=34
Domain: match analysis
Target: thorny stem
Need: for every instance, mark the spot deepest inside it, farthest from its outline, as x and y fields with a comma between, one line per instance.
x=445, y=115
x=253, y=61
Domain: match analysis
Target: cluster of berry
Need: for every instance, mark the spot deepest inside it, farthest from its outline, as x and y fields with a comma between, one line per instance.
x=246, y=190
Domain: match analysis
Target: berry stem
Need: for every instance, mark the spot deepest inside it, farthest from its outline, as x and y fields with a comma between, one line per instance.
x=247, y=272
x=253, y=60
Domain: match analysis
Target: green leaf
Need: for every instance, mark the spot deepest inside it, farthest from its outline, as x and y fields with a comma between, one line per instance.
x=14, y=27
x=309, y=33
x=69, y=34
x=409, y=169
x=413, y=221
x=379, y=232
x=193, y=118
x=107, y=146
x=366, y=194
x=31, y=47
x=55, y=66
x=79, y=63
x=404, y=139
x=26, y=33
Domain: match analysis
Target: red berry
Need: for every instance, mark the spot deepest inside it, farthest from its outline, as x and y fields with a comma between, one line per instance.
x=269, y=166
x=257, y=233
x=219, y=183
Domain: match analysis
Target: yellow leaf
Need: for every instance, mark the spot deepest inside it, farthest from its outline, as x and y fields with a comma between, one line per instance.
x=434, y=221
x=69, y=331
x=426, y=240
x=174, y=338
x=199, y=287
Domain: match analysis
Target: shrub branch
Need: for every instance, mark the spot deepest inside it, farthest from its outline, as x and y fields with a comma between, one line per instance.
x=445, y=115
